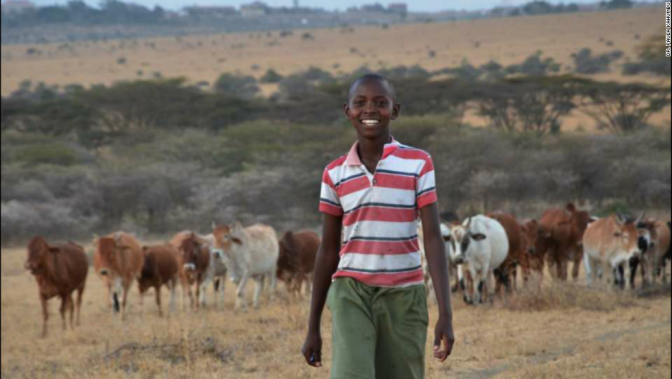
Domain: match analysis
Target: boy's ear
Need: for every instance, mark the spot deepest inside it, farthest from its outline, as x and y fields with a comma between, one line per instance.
x=396, y=110
x=346, y=109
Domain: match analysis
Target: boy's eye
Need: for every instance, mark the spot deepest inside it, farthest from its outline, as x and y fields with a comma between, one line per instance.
x=382, y=103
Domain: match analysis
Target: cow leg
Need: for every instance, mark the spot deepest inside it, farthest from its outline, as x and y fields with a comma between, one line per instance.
x=71, y=309
x=173, y=294
x=259, y=284
x=80, y=294
x=240, y=292
x=274, y=282
x=591, y=270
x=634, y=263
x=576, y=268
x=202, y=290
x=127, y=287
x=157, y=293
x=45, y=315
x=215, y=290
x=63, y=309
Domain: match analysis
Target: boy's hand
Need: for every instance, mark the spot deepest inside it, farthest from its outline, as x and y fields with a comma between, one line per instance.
x=443, y=333
x=312, y=349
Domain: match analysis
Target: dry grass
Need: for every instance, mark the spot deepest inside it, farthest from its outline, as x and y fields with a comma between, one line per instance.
x=590, y=335
x=567, y=297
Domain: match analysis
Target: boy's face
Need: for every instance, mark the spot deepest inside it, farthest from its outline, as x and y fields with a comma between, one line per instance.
x=371, y=108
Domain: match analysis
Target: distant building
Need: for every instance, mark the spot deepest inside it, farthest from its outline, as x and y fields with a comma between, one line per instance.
x=211, y=11
x=255, y=9
x=399, y=8
x=17, y=6
x=377, y=7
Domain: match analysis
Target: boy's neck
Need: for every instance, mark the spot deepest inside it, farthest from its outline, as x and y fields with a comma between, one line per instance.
x=371, y=150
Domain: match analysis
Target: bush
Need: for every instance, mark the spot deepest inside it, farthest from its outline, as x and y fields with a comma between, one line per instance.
x=241, y=86
x=48, y=154
x=586, y=63
x=534, y=66
x=271, y=77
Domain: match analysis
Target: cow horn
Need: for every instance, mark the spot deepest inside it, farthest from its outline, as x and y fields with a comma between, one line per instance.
x=641, y=218
x=469, y=223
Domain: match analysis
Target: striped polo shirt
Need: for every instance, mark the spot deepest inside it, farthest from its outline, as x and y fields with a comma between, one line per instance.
x=380, y=212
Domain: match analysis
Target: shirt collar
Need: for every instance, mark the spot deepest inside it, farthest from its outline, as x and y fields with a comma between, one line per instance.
x=353, y=157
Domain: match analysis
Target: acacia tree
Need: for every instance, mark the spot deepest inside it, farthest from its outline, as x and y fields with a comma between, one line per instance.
x=622, y=108
x=534, y=104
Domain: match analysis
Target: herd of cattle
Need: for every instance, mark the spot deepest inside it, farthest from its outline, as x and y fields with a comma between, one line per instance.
x=479, y=248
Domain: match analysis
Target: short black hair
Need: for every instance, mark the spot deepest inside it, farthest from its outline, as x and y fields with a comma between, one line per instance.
x=370, y=78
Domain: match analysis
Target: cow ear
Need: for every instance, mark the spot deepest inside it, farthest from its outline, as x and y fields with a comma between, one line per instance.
x=447, y=238
x=479, y=237
x=571, y=207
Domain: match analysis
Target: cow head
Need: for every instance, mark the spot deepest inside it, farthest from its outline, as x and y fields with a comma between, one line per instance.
x=648, y=235
x=39, y=253
x=579, y=220
x=461, y=239
x=109, y=249
x=627, y=236
x=194, y=255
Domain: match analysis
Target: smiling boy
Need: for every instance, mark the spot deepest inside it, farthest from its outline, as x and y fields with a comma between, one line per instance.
x=368, y=268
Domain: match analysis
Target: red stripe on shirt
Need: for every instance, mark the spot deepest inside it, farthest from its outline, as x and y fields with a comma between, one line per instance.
x=426, y=199
x=384, y=280
x=411, y=154
x=354, y=185
x=380, y=214
x=336, y=163
x=381, y=248
x=395, y=181
x=331, y=209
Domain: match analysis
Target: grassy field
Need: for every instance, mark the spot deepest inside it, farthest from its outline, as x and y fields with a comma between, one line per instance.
x=562, y=332
x=201, y=59
x=204, y=58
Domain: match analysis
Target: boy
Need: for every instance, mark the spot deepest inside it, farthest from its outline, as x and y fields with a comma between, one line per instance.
x=372, y=197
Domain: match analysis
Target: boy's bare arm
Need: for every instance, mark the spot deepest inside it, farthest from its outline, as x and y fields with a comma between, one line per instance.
x=438, y=269
x=326, y=264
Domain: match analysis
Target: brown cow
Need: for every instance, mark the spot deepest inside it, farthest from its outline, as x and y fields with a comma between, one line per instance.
x=565, y=227
x=161, y=268
x=610, y=242
x=297, y=259
x=59, y=271
x=534, y=240
x=118, y=261
x=194, y=262
x=508, y=272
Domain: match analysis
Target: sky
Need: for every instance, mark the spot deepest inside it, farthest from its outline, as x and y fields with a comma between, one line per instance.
x=414, y=5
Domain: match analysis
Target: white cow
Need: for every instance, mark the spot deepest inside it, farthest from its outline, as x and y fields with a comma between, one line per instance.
x=481, y=243
x=453, y=269
x=250, y=252
x=215, y=273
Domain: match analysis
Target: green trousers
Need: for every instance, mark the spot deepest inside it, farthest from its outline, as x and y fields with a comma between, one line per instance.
x=378, y=333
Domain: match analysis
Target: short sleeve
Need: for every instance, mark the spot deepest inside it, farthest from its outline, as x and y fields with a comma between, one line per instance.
x=329, y=201
x=425, y=190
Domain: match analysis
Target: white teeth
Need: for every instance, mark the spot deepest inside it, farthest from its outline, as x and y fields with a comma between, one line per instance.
x=370, y=122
